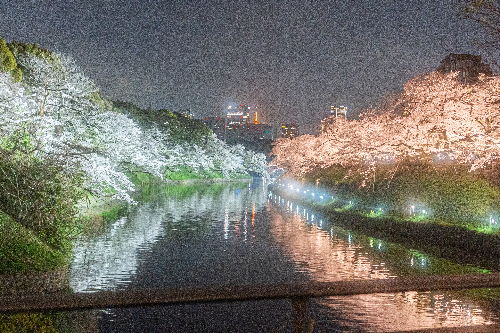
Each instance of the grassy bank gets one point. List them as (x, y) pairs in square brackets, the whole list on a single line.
[(446, 195), (22, 251), (149, 186), (185, 173)]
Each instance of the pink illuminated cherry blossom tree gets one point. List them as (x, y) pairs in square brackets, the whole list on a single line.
[(435, 117)]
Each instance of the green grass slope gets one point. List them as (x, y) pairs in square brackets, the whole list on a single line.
[(22, 251)]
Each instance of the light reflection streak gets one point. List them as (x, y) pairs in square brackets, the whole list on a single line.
[(327, 255), (226, 223), (110, 260), (245, 231), (253, 214)]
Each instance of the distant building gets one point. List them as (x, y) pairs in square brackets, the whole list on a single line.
[(289, 130), (217, 125), (256, 132), (469, 66), (236, 118), (238, 126), (337, 113)]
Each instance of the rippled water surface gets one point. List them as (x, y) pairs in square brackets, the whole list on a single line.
[(239, 234)]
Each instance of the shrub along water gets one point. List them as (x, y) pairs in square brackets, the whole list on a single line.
[(449, 193), (22, 251), (39, 193)]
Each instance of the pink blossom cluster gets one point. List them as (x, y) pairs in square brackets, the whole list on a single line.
[(435, 118)]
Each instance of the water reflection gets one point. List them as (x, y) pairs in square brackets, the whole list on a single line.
[(240, 234), (326, 254), (329, 253), (188, 214), (209, 235), (109, 260)]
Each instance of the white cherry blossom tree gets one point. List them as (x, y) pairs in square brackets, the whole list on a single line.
[(66, 118)]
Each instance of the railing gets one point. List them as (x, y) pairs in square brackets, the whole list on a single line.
[(299, 294)]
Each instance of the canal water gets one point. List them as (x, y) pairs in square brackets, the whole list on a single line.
[(240, 234)]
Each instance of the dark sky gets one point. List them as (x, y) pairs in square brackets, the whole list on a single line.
[(290, 59)]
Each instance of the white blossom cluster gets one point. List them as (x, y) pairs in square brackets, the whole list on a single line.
[(65, 116)]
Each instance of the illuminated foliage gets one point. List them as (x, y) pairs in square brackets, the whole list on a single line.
[(8, 62), (436, 119), (68, 120)]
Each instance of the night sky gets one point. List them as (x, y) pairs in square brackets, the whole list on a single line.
[(291, 59)]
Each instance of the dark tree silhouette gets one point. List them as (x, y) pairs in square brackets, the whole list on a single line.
[(487, 13)]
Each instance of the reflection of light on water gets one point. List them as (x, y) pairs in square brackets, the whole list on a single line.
[(245, 231), (406, 311), (111, 260), (253, 214), (329, 256), (226, 224)]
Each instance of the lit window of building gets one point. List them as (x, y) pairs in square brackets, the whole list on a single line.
[(289, 130)]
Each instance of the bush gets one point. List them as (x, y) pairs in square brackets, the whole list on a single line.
[(39, 193), (449, 193), (21, 251), (459, 197), (7, 60), (26, 322)]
